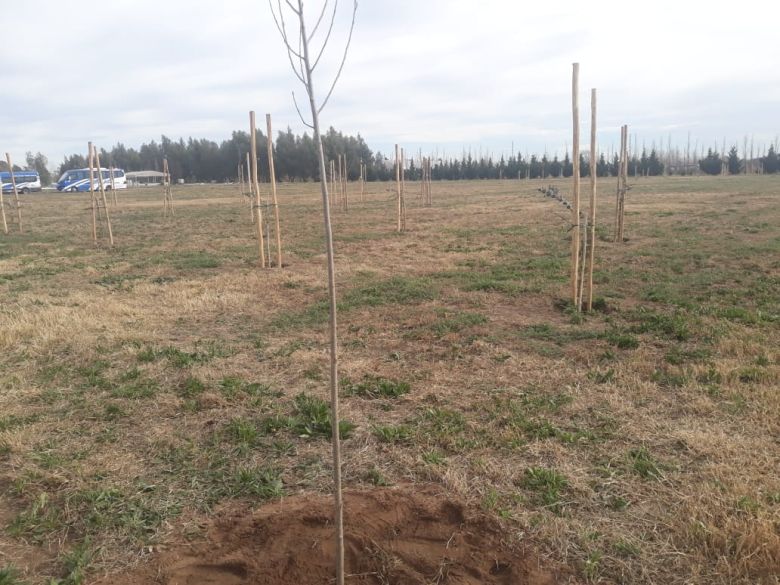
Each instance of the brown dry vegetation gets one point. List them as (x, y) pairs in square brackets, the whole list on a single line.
[(146, 386)]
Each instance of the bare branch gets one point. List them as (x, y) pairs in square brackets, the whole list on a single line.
[(293, 8), (327, 36), (300, 115), (319, 20), (343, 59), (281, 27)]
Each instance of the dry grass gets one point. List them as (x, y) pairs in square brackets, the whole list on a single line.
[(142, 385)]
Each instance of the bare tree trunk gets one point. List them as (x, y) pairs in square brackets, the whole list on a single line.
[(334, 353)]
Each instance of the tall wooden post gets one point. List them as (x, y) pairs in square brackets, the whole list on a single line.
[(16, 191), (256, 188), (398, 185), (103, 196), (362, 181), (272, 178), (250, 188), (113, 187), (345, 179), (92, 192), (403, 190), (575, 234), (2, 207), (593, 178), (335, 198)]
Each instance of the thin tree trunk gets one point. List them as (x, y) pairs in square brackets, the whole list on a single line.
[(272, 178), (334, 373)]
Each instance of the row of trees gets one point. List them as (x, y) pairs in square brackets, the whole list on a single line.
[(35, 162), (201, 160), (715, 164)]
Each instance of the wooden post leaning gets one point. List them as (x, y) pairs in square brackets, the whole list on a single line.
[(256, 188), (16, 191), (575, 235), (103, 197), (272, 178), (593, 178), (92, 192), (113, 186)]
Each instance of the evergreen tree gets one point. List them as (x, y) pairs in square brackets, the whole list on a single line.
[(734, 162), (771, 161), (712, 163)]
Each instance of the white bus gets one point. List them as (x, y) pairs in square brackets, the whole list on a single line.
[(78, 180)]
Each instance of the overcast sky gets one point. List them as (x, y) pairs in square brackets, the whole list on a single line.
[(441, 75)]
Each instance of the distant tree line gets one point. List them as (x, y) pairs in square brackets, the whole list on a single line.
[(35, 162), (202, 160), (715, 164)]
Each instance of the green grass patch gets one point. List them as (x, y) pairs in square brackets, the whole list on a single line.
[(643, 464), (375, 387), (393, 434), (548, 485)]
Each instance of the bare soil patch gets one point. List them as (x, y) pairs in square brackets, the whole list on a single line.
[(409, 534)]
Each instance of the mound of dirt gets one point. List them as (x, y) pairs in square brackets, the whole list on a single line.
[(412, 534)]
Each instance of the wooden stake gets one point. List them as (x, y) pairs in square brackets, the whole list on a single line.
[(362, 181), (593, 176), (2, 206), (167, 193), (346, 183), (16, 192), (272, 178), (575, 235), (403, 190), (92, 193), (113, 187), (256, 188), (103, 197), (250, 190), (398, 185)]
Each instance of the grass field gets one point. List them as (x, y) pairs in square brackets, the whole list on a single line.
[(143, 386)]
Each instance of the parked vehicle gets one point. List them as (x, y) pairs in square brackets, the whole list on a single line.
[(26, 181), (78, 180)]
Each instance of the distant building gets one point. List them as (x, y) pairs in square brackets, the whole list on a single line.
[(144, 178)]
